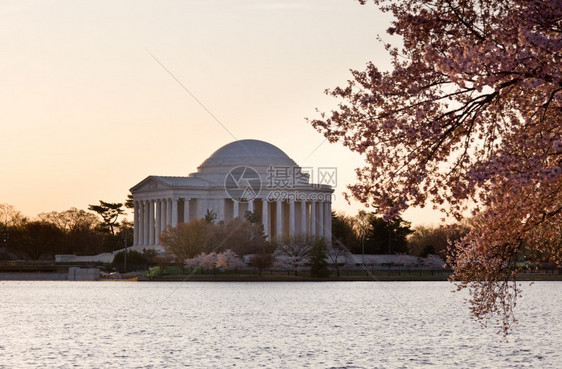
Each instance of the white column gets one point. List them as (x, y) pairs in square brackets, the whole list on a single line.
[(216, 205), (320, 212), (169, 213), (251, 205), (220, 215), (186, 210), (204, 207), (236, 210), (265, 217), (158, 221), (303, 217), (313, 218), (174, 212), (328, 222), (136, 223), (163, 214), (279, 219), (141, 220), (198, 209), (291, 217), (151, 222), (145, 224)]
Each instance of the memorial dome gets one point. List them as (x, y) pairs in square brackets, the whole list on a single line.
[(257, 154)]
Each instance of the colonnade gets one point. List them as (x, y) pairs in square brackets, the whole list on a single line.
[(287, 218), (152, 217), (278, 217)]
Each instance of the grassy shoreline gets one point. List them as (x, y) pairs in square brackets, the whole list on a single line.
[(377, 276)]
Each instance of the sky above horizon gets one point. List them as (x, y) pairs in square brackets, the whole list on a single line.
[(88, 109)]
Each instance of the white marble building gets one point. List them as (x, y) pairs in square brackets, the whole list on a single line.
[(245, 175)]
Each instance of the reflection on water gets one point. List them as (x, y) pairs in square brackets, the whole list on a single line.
[(267, 325)]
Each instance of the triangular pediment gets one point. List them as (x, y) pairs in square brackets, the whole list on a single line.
[(149, 184)]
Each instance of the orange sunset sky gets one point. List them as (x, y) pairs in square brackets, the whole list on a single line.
[(87, 112)]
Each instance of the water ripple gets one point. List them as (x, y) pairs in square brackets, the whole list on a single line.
[(267, 325)]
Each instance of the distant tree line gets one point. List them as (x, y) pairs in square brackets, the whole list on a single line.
[(208, 245), (368, 233), (73, 231), (100, 229)]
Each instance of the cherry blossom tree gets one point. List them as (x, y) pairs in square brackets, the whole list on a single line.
[(468, 119), (433, 262), (338, 254), (229, 260), (203, 260), (191, 263), (293, 251), (208, 261)]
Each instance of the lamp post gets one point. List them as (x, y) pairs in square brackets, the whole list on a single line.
[(363, 229)]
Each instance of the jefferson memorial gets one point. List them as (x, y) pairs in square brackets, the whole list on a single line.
[(242, 176)]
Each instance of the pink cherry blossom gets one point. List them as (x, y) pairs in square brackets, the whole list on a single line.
[(468, 119)]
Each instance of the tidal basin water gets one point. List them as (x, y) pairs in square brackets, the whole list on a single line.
[(268, 325)]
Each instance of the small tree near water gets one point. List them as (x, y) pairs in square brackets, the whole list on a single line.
[(293, 251), (317, 258)]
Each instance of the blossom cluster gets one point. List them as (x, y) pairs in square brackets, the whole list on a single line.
[(468, 119), (226, 260)]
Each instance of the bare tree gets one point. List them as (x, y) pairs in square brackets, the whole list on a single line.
[(338, 253)]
